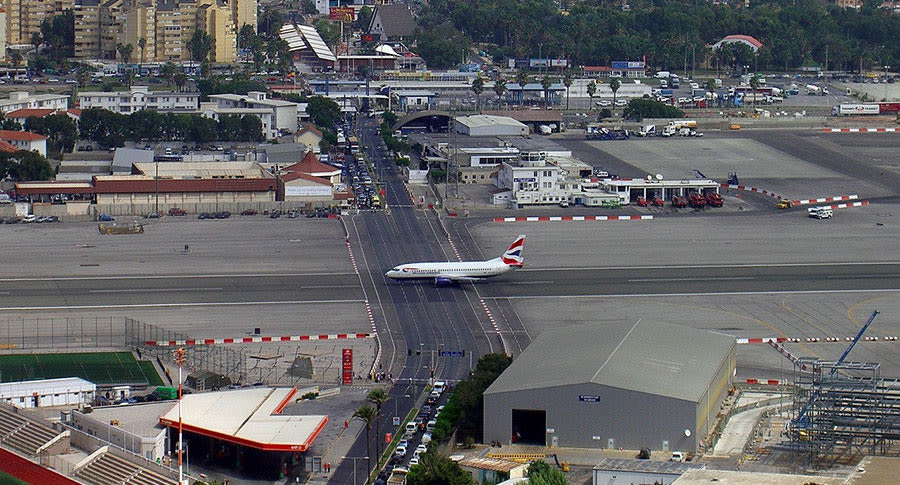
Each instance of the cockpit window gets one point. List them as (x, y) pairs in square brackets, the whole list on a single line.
[(396, 268)]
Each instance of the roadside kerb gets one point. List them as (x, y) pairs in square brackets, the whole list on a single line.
[(257, 340), (861, 130)]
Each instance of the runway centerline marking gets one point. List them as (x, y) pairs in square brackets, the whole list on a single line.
[(722, 278), (153, 290), (657, 295), (708, 266)]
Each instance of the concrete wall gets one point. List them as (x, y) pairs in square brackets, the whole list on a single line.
[(711, 401), (632, 419)]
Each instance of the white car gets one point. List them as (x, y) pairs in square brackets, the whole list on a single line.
[(414, 461), (29, 218), (400, 451), (422, 448), (604, 103), (426, 438), (621, 103)]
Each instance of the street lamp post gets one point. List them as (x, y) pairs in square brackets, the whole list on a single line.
[(156, 180), (355, 459)]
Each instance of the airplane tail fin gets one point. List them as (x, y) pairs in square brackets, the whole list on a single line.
[(513, 255)]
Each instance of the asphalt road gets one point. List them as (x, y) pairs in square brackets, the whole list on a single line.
[(677, 280)]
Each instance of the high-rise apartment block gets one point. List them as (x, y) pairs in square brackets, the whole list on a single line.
[(165, 26)]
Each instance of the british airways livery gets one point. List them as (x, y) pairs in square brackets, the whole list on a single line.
[(449, 272)]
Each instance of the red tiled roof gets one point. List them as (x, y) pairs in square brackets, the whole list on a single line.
[(7, 147), (305, 176), (26, 112), (20, 135), (75, 112), (145, 186), (310, 164), (311, 129)]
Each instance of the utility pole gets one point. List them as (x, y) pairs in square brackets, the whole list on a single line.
[(156, 179), (179, 358)]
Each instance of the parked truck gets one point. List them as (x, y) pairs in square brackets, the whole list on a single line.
[(647, 130), (679, 201), (714, 199), (846, 109), (697, 201)]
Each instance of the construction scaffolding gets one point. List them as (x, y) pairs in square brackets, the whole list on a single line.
[(843, 410)]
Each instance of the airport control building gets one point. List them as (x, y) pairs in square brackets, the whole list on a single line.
[(653, 385)]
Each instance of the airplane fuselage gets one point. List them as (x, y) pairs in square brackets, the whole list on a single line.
[(453, 270)]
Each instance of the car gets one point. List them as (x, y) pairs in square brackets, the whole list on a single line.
[(204, 215), (293, 214), (620, 103), (222, 215), (400, 451), (426, 410), (426, 438), (431, 400), (105, 218), (41, 220), (422, 448), (249, 212), (177, 211), (604, 103), (53, 80), (275, 214), (29, 218), (52, 219), (153, 215), (12, 220), (71, 81), (414, 461)]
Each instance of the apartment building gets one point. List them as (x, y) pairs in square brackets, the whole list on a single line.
[(279, 116), (138, 98), (26, 100), (165, 25), (24, 17)]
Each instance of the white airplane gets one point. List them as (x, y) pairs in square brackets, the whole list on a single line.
[(449, 272)]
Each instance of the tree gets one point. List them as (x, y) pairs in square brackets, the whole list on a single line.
[(541, 473), (368, 415), (469, 394), (8, 124), (199, 45), (500, 90), (180, 80), (142, 44), (247, 38), (23, 165), (614, 85), (441, 45), (522, 80), (124, 52), (269, 22), (592, 90), (60, 129), (58, 34), (478, 88), (378, 397), (16, 58), (546, 82), (711, 85), (640, 108), (568, 79), (754, 84), (168, 71), (329, 30), (363, 18), (308, 7), (324, 112), (434, 469)]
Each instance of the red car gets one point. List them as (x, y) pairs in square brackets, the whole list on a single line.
[(642, 202), (249, 212), (177, 211)]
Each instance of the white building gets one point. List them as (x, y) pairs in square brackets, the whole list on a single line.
[(67, 391), (265, 115), (489, 125), (283, 114), (138, 98), (490, 156), (24, 99), (532, 182), (25, 140)]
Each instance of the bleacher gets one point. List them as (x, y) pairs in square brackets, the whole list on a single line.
[(22, 434), (110, 469)]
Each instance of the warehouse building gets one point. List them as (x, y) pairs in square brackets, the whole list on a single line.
[(654, 385), (488, 125)]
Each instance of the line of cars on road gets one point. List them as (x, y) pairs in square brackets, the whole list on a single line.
[(425, 422), (31, 218)]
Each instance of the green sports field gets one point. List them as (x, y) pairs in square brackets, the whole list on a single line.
[(7, 479), (97, 367)]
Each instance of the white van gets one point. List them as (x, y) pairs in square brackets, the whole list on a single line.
[(677, 456), (821, 212), (429, 426), (439, 386), (411, 427)]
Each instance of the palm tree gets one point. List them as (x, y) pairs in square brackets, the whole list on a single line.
[(754, 83), (546, 83), (377, 397), (614, 84), (592, 90), (368, 415), (125, 51), (142, 44), (568, 78), (522, 80), (180, 80), (500, 90), (169, 70), (478, 88)]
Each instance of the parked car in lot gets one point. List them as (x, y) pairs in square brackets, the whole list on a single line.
[(29, 218), (249, 212), (275, 214), (204, 215), (293, 214), (153, 215), (221, 215), (177, 211), (105, 218)]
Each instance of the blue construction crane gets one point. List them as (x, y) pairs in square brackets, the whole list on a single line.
[(801, 416)]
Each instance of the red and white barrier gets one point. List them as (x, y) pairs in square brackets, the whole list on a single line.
[(572, 218), (811, 340), (766, 382), (852, 204), (861, 130), (256, 340), (824, 199), (750, 189)]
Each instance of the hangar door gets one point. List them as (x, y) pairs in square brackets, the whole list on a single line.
[(529, 427)]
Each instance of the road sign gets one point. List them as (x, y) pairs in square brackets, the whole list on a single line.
[(453, 353), (396, 420)]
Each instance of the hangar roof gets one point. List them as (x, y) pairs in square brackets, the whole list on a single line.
[(649, 357), (474, 121)]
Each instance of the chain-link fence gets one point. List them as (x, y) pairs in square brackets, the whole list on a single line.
[(62, 333)]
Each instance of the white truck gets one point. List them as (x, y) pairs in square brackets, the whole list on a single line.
[(647, 130), (668, 131), (822, 212), (813, 89), (855, 109)]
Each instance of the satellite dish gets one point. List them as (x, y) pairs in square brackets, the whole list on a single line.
[(687, 433), (650, 177), (659, 176)]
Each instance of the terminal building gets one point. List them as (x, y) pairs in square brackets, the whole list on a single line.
[(653, 385)]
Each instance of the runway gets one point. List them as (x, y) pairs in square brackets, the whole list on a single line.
[(675, 280)]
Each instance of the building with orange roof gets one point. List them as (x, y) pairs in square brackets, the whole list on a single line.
[(313, 181), (7, 147), (24, 140), (311, 165)]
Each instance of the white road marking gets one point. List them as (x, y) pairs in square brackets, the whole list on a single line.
[(530, 282), (170, 305), (167, 277), (328, 286), (722, 278), (657, 295), (153, 290)]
